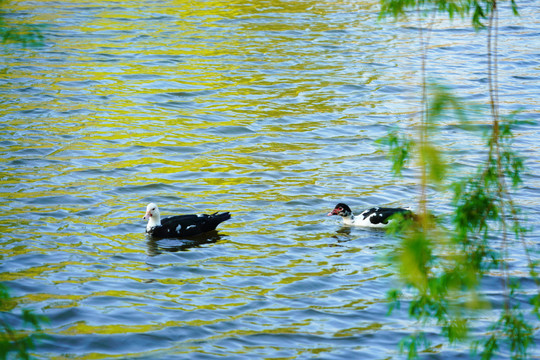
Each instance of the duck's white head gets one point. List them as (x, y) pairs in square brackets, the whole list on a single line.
[(152, 215)]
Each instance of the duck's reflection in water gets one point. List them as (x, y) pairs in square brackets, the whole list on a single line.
[(158, 246)]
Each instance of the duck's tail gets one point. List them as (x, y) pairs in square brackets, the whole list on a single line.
[(217, 218)]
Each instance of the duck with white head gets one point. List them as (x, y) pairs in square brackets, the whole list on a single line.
[(180, 225)]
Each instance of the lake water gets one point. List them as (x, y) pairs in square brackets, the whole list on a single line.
[(267, 109)]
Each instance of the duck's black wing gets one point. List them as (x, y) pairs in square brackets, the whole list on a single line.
[(382, 215), (188, 225)]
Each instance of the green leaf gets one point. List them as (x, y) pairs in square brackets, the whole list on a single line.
[(399, 150), (433, 158)]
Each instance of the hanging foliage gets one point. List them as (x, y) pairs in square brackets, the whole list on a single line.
[(442, 265)]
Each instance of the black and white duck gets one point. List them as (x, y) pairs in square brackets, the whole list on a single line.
[(179, 226), (377, 217)]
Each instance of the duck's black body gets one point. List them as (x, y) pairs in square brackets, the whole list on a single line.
[(181, 225), (381, 215), (187, 225)]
